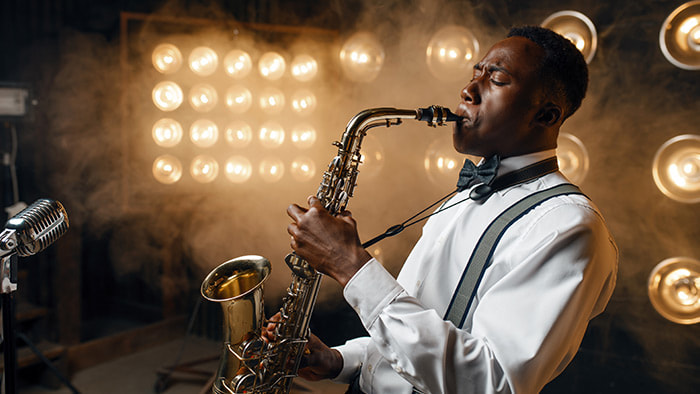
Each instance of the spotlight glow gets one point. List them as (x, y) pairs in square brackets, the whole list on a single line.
[(271, 170), (674, 289), (237, 64), (303, 102), (303, 169), (442, 163), (572, 157), (204, 169), (303, 136), (167, 169), (304, 68), (166, 58), (271, 134), (238, 99), (371, 156), (362, 57), (238, 134), (167, 132), (203, 97), (451, 52), (238, 169), (578, 28), (271, 66), (167, 96), (676, 168), (271, 100), (203, 61), (204, 133)]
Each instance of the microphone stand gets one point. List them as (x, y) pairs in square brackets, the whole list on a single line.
[(9, 337)]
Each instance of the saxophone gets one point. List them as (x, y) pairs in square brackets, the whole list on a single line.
[(248, 363)]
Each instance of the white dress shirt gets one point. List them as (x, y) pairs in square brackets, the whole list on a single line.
[(553, 270)]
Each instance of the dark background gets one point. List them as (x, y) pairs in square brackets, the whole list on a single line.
[(137, 256)]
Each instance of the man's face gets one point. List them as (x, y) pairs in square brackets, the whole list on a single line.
[(500, 103)]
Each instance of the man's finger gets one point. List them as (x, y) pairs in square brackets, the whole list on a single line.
[(295, 212)]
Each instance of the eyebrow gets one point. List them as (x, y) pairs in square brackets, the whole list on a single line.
[(492, 68)]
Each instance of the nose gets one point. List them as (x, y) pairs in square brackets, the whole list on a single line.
[(470, 93)]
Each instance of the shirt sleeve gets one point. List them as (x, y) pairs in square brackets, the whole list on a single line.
[(353, 352), (526, 326)]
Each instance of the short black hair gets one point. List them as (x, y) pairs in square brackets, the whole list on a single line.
[(563, 67)]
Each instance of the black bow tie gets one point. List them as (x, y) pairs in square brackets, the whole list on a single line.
[(471, 175)]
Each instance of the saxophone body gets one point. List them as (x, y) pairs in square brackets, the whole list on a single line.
[(248, 363)]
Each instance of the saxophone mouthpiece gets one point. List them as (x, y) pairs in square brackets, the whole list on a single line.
[(436, 115)]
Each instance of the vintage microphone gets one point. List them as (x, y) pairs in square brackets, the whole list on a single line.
[(27, 233)]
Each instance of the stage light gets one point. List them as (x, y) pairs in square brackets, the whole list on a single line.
[(203, 61), (167, 169), (166, 58), (577, 28), (271, 100), (676, 168), (572, 157), (371, 156), (304, 68), (271, 170), (674, 289), (203, 97), (204, 133), (237, 64), (167, 96), (303, 102), (14, 101), (362, 57), (679, 37), (451, 53), (442, 163), (303, 169), (271, 66), (238, 169), (271, 134), (204, 169), (238, 134), (167, 132), (238, 99), (303, 136)]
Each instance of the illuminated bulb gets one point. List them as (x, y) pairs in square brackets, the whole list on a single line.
[(442, 163), (371, 156), (271, 100), (362, 57), (238, 99), (204, 169), (674, 289), (237, 64), (303, 136), (676, 168), (203, 97), (303, 169), (304, 68), (572, 157), (203, 61), (167, 169), (271, 134), (166, 58), (204, 133), (303, 102), (576, 27), (167, 96), (271, 170), (451, 52), (167, 132), (238, 134), (238, 169), (577, 39), (271, 66)]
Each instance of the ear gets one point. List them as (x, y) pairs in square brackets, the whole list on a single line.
[(549, 114)]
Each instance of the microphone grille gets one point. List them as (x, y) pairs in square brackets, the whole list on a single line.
[(45, 221)]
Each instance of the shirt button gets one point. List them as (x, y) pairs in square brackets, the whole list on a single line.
[(369, 367), (398, 369)]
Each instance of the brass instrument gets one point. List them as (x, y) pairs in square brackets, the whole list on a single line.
[(248, 363)]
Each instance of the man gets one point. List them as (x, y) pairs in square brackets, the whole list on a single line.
[(552, 271)]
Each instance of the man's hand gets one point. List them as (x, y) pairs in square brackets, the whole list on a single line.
[(330, 244), (318, 361)]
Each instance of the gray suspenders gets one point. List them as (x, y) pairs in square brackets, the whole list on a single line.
[(466, 289)]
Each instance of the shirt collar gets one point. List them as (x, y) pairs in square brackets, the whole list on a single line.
[(510, 164)]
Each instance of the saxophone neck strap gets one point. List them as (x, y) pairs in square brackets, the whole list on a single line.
[(479, 193)]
